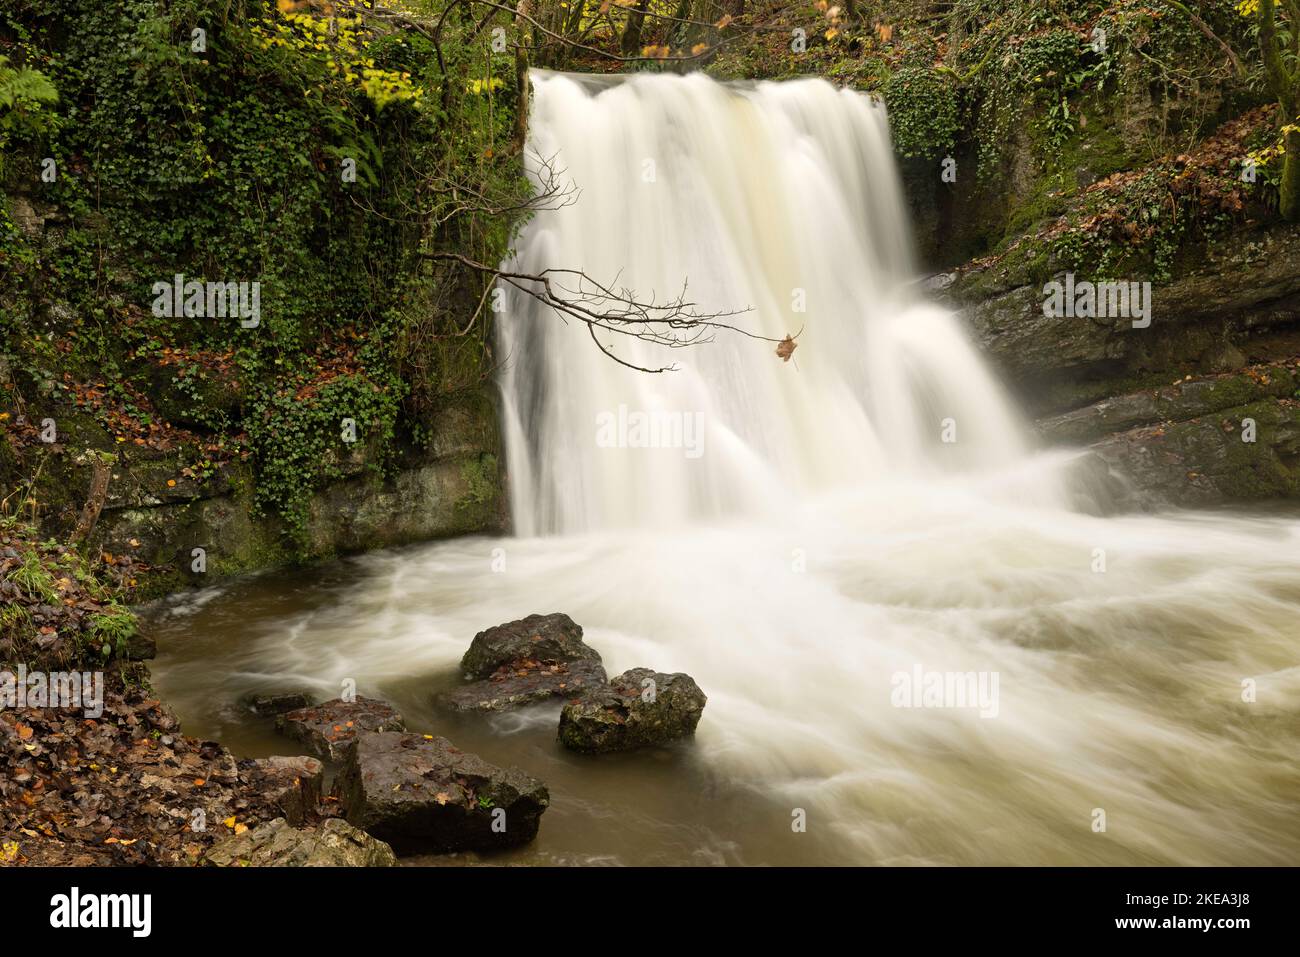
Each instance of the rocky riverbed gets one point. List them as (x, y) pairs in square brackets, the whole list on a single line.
[(129, 787)]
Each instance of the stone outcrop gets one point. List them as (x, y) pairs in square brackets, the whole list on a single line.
[(1202, 441), (159, 516), (1240, 290)]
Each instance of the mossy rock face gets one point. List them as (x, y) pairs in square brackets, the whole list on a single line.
[(1247, 284), (1246, 453), (450, 487), (1176, 403)]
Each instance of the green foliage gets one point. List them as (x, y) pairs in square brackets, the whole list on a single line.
[(923, 112), (232, 164), (303, 436), (34, 578), (25, 96), (110, 631)]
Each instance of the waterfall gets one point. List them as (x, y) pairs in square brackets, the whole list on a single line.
[(814, 553), (780, 199)]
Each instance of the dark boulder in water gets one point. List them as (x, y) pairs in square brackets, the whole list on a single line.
[(326, 729), (273, 704), (421, 794), (547, 639), (522, 682), (524, 662), (638, 708)]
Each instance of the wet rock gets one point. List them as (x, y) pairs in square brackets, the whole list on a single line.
[(327, 729), (524, 682), (273, 704), (1208, 460), (1179, 402), (1221, 357), (546, 639), (292, 783), (420, 793), (277, 844), (638, 708), (1249, 282)]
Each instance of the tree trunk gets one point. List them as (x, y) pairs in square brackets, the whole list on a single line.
[(1284, 81), (632, 32), (103, 471), (1289, 206), (522, 85)]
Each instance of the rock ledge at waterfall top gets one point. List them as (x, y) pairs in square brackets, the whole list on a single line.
[(523, 662), (636, 709), (421, 794)]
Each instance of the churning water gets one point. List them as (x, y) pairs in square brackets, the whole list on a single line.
[(805, 538)]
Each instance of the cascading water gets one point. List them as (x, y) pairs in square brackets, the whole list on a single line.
[(823, 541), (781, 199)]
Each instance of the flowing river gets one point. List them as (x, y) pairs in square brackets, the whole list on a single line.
[(809, 539)]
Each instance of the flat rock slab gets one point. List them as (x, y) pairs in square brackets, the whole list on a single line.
[(292, 783), (327, 729), (421, 794), (638, 708), (277, 844), (546, 639), (524, 682)]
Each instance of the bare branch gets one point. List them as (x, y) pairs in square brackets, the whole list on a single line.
[(673, 324)]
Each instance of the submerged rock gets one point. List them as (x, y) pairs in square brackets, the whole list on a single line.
[(273, 704), (524, 682), (328, 728), (420, 793), (292, 783), (277, 844), (546, 639), (638, 708)]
